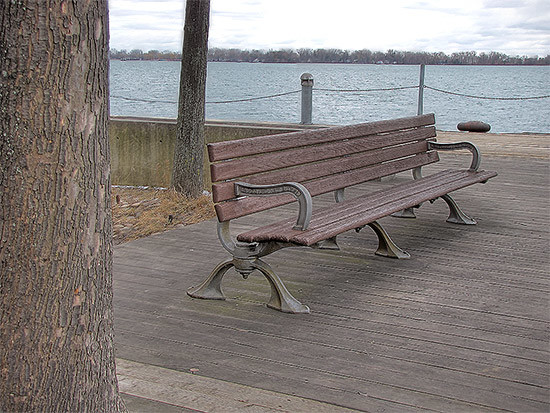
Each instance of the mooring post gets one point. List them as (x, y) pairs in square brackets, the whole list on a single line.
[(421, 90), (307, 98)]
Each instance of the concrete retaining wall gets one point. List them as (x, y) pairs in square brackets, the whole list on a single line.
[(142, 149)]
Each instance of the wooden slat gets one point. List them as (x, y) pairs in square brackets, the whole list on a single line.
[(374, 208), (225, 190), (283, 159), (342, 210), (357, 176), (363, 210), (247, 206), (334, 212), (238, 208), (380, 211), (262, 144)]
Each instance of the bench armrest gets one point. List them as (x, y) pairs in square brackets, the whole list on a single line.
[(476, 156), (299, 191)]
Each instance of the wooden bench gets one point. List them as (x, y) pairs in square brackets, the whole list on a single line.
[(260, 173)]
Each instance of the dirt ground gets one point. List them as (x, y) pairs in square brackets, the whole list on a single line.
[(139, 212)]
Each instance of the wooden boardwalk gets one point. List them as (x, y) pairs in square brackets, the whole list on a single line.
[(461, 326)]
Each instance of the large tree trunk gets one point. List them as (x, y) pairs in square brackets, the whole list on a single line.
[(56, 322), (187, 175)]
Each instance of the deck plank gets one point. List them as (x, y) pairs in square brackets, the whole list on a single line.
[(464, 325)]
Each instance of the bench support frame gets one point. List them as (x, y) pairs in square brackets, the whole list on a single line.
[(321, 162), (246, 259), (386, 246), (280, 299), (456, 216)]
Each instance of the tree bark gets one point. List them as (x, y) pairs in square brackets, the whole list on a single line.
[(56, 322), (187, 175)]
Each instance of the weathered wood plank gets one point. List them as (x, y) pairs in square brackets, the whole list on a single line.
[(461, 326), (377, 208), (307, 154), (261, 144), (380, 367), (347, 209), (225, 190), (410, 335), (246, 206), (353, 214)]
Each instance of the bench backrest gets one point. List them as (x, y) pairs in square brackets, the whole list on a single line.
[(323, 160)]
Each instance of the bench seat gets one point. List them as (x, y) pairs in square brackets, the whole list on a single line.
[(358, 212)]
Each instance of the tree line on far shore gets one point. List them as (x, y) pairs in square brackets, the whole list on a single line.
[(340, 56)]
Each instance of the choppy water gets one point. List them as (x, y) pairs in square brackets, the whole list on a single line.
[(157, 83)]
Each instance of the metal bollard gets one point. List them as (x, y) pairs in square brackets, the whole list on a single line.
[(307, 98), (421, 90)]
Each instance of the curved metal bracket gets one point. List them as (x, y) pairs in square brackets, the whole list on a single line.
[(225, 238), (328, 244), (299, 191), (406, 213), (476, 155), (281, 299), (386, 246), (456, 216), (211, 288), (246, 250)]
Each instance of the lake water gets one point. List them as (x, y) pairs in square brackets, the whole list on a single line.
[(150, 89)]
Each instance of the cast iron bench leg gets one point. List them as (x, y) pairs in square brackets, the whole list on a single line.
[(328, 244), (386, 246), (456, 216), (281, 299), (211, 288), (406, 213)]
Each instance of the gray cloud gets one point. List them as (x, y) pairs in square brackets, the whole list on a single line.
[(503, 4), (508, 26)]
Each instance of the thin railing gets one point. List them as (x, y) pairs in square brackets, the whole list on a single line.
[(308, 88)]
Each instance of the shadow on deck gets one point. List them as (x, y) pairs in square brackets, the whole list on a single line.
[(461, 326)]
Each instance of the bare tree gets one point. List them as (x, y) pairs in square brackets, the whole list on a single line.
[(187, 175), (56, 322)]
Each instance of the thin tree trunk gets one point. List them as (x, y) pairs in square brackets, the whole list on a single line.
[(56, 322), (187, 175)]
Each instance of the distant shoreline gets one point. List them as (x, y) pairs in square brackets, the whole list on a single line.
[(390, 57), (342, 63)]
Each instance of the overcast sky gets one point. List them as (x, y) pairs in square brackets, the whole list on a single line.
[(514, 27)]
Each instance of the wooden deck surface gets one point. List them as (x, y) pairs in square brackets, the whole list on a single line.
[(461, 326)]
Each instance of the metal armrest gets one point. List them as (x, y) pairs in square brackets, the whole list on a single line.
[(476, 155), (299, 191)]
